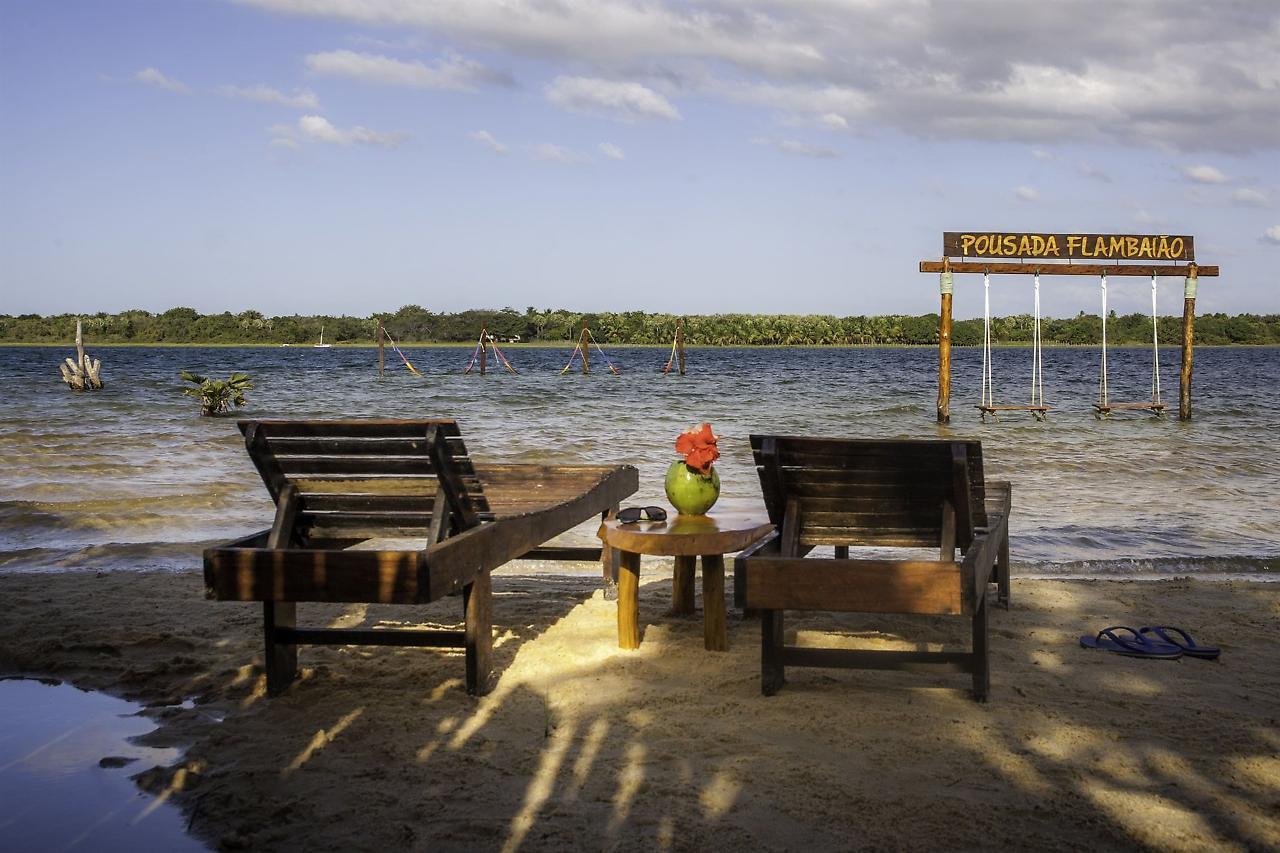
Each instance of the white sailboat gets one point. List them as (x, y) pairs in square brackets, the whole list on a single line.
[(322, 344)]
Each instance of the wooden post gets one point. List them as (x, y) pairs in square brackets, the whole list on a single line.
[(382, 355), (680, 344), (1188, 343), (584, 344), (484, 350), (944, 345)]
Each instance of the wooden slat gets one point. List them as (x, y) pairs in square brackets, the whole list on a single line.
[(1112, 269), (923, 537), (351, 428), (265, 574), (863, 586), (360, 502), (386, 466), (349, 446), (888, 659), (418, 637)]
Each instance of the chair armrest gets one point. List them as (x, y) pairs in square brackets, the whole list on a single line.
[(980, 557), (769, 546)]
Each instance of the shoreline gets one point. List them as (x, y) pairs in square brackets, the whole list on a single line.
[(584, 746), (570, 344)]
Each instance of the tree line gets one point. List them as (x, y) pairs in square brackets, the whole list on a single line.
[(414, 324)]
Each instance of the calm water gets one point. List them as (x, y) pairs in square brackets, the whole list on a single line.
[(132, 477), (56, 791)]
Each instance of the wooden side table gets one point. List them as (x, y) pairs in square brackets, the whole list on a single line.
[(685, 537)]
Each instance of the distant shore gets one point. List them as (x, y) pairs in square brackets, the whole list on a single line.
[(582, 745), (570, 344)]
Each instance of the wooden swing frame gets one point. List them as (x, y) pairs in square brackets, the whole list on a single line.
[(1190, 271)]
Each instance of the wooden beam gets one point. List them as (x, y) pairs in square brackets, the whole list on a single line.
[(944, 360), (1007, 268), (1188, 356)]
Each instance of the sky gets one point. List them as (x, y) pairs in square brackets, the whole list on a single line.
[(707, 156)]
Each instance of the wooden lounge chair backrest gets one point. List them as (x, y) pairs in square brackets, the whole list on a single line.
[(891, 492), (364, 478)]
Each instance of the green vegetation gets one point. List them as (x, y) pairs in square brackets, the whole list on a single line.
[(217, 396), (414, 324)]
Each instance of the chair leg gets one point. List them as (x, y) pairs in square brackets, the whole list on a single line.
[(842, 552), (280, 659), (477, 602), (981, 645), (1002, 573), (772, 671), (609, 562)]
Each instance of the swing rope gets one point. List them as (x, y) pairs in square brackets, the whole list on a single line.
[(670, 359), (988, 388), (1037, 363), (403, 358), (1102, 378), (503, 359), (572, 355), (475, 354), (612, 369), (1155, 346)]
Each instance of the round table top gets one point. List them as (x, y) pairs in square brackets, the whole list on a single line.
[(688, 535)]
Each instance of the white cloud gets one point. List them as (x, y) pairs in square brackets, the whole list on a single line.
[(833, 121), (616, 99), (1250, 197), (486, 139), (1184, 75), (1089, 170), (1143, 217), (320, 129), (797, 148), (303, 99), (453, 73), (1041, 154), (612, 151), (286, 142), (1025, 193), (558, 154), (153, 77), (1272, 235), (1204, 174)]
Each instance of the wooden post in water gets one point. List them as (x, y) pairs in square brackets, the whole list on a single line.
[(680, 344), (1188, 342), (945, 287), (584, 342), (382, 355), (484, 350)]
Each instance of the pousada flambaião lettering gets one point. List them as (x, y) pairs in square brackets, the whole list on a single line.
[(1117, 247)]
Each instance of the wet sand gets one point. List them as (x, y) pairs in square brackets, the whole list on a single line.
[(584, 746)]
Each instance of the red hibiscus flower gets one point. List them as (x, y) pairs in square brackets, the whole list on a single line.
[(698, 445)]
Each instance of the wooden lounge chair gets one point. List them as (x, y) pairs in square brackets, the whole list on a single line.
[(345, 489), (845, 492)]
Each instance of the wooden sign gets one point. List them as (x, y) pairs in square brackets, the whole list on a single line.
[(1110, 247)]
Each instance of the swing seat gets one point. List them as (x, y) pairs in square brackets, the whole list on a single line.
[(1104, 409), (1039, 412)]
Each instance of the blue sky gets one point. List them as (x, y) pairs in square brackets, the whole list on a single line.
[(342, 156)]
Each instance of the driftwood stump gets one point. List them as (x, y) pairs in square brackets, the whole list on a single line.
[(82, 373)]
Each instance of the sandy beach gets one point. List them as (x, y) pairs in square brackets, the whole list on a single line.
[(584, 746)]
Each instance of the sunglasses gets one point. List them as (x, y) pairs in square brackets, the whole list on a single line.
[(632, 514)]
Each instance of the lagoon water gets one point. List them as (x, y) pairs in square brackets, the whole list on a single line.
[(132, 478)]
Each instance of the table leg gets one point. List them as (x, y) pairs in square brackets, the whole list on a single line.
[(629, 601), (682, 586), (714, 634)]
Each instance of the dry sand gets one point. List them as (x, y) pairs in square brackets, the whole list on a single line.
[(584, 746)]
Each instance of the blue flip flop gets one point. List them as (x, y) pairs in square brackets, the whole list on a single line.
[(1136, 646), (1183, 641)]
